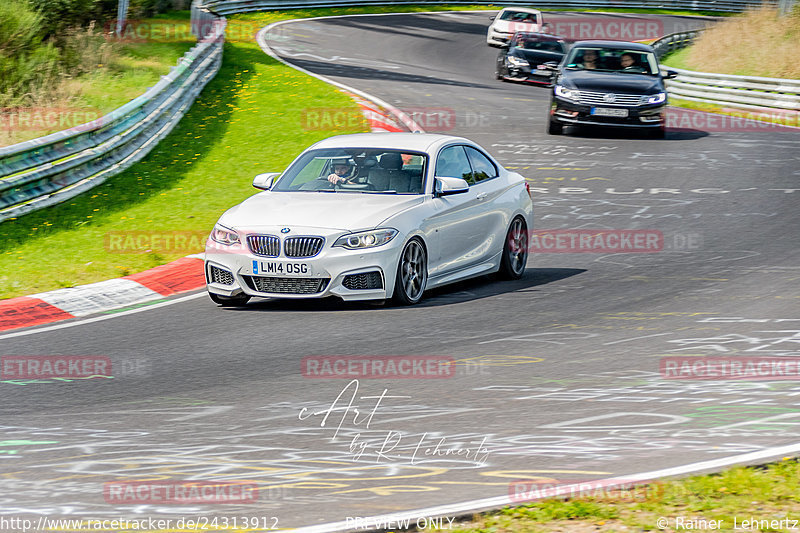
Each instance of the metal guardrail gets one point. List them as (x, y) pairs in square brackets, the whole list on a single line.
[(746, 92), (51, 169), (227, 7)]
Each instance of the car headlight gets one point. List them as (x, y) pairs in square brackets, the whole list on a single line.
[(653, 98), (366, 239), (569, 94), (224, 235), (517, 62)]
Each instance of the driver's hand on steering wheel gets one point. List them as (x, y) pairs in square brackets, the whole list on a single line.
[(335, 178)]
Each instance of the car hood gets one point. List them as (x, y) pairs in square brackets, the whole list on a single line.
[(325, 210), (511, 26), (535, 57), (611, 82)]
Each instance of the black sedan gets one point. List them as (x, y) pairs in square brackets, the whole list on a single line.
[(609, 83), (524, 57)]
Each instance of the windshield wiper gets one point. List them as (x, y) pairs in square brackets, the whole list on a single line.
[(392, 191)]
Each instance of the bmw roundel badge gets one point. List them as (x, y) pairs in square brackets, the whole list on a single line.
[(285, 230)]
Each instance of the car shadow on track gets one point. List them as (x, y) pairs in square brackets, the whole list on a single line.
[(461, 292), (594, 132)]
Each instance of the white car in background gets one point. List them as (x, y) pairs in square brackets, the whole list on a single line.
[(372, 216), (510, 20)]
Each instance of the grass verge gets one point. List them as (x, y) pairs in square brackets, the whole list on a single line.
[(246, 121), (116, 72), (770, 492), (756, 43)]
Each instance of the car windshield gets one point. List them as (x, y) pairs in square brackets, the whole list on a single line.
[(535, 43), (613, 60), (356, 170), (518, 16)]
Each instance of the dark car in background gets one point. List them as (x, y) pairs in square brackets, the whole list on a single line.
[(609, 83), (523, 58)]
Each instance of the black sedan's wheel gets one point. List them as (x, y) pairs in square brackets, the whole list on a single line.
[(554, 128), (412, 273), (657, 133), (229, 301), (515, 251)]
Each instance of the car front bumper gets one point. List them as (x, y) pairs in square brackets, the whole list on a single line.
[(529, 74), (570, 112), (335, 271)]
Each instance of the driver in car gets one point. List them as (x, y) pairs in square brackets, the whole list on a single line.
[(343, 172)]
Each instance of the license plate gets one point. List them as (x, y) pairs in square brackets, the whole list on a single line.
[(609, 112), (274, 268)]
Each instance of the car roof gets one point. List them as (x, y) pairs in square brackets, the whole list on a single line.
[(616, 45), (419, 142), (521, 9)]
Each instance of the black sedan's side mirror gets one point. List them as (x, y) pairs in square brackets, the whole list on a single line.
[(551, 65), (670, 75)]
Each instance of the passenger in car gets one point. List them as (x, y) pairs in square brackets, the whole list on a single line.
[(589, 60)]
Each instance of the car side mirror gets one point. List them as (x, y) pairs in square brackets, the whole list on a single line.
[(445, 186), (504, 46), (551, 65), (265, 181), (493, 17), (669, 75)]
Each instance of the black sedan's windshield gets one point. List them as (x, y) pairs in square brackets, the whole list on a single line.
[(612, 60), (367, 170)]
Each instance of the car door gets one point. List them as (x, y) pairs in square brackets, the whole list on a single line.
[(457, 217), (491, 214)]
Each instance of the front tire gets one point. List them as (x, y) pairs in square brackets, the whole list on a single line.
[(554, 128), (229, 301), (412, 273), (515, 251)]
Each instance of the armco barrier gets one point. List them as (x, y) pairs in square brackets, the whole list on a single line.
[(747, 92), (51, 169), (227, 7)]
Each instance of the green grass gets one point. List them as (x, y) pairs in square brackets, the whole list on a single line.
[(246, 121), (677, 59), (131, 67), (763, 493)]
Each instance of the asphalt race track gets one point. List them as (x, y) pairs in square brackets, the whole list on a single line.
[(557, 375)]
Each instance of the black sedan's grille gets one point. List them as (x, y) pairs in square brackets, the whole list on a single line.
[(219, 275), (302, 246), (264, 245), (286, 285), (361, 282), (596, 98)]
